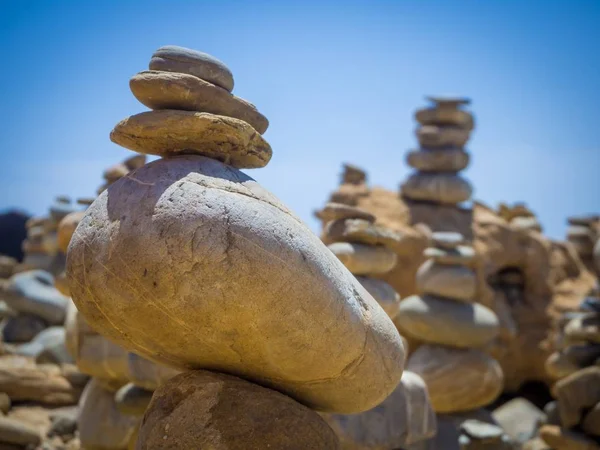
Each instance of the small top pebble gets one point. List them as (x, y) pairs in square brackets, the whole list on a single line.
[(172, 58), (334, 211), (448, 100)]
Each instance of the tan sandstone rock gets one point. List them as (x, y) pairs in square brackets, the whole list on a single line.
[(167, 90), (434, 136), (452, 281), (438, 159), (364, 259), (335, 211), (385, 294), (203, 409), (169, 132), (222, 236), (440, 188), (66, 228), (457, 379)]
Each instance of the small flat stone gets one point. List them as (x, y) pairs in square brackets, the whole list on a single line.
[(449, 100), (446, 114), (482, 431), (580, 232), (441, 136), (576, 393), (169, 132), (585, 328), (562, 439), (172, 58), (442, 321), (383, 293), (353, 174), (16, 432), (526, 223), (363, 259), (438, 159), (165, 90), (450, 281), (444, 188), (519, 418), (447, 239), (334, 211), (462, 255), (360, 231), (591, 421), (86, 201), (457, 379), (584, 221), (132, 400)]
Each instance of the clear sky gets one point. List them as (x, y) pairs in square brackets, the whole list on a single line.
[(338, 80)]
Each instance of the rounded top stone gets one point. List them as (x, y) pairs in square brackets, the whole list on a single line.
[(172, 58), (448, 100), (447, 239)]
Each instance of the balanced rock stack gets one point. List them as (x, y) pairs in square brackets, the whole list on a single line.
[(443, 131), (252, 302), (519, 216), (583, 233), (113, 173), (364, 260), (454, 329), (574, 418)]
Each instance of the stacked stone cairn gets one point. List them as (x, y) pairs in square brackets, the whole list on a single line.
[(454, 331), (583, 233), (573, 419), (405, 417), (443, 131), (190, 263), (519, 216)]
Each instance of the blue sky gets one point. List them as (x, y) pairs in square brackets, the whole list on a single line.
[(339, 81)]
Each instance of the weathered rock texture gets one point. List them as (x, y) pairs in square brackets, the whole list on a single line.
[(202, 409)]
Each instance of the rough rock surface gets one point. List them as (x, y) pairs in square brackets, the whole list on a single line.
[(230, 238), (202, 409), (457, 379), (170, 132), (165, 90)]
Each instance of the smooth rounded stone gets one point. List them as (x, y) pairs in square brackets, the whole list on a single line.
[(476, 434), (434, 136), (364, 259), (165, 90), (101, 425), (438, 159), (571, 359), (360, 231), (591, 421), (443, 321), (450, 281), (21, 328), (225, 237), (384, 293), (66, 228), (403, 419), (147, 374), (462, 255), (563, 439), (334, 211), (101, 358), (519, 418), (23, 380), (201, 409), (169, 132), (445, 115), (576, 393), (33, 292), (438, 188), (172, 58), (16, 432), (45, 339), (457, 379), (5, 403), (585, 328), (132, 400), (113, 173)]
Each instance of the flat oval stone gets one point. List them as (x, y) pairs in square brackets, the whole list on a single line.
[(449, 100), (360, 231), (445, 115), (233, 251), (457, 379), (364, 259), (169, 132), (334, 211), (172, 58), (165, 90), (526, 223), (447, 322), (207, 410), (462, 255), (450, 281), (384, 293), (438, 159), (442, 188), (440, 136)]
